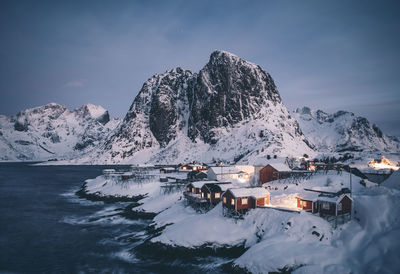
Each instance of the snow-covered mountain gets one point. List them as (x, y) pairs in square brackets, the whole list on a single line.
[(230, 110), (343, 132), (53, 132)]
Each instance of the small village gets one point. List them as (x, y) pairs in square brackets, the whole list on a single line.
[(273, 183), (241, 188)]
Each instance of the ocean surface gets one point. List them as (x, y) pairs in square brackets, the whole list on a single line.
[(46, 228)]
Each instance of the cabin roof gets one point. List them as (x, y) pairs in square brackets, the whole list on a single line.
[(256, 192), (168, 168), (218, 187), (198, 184), (333, 199), (280, 167), (309, 196)]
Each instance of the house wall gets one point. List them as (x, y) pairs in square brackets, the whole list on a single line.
[(346, 205), (304, 204), (204, 192), (197, 190), (250, 203), (228, 195), (330, 211), (263, 201), (215, 200), (267, 174)]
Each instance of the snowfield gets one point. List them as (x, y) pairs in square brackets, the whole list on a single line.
[(299, 241)]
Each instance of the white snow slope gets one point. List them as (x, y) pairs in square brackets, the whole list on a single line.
[(53, 131)]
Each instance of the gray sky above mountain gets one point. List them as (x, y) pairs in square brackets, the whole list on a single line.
[(330, 55)]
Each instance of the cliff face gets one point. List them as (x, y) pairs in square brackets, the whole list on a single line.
[(231, 109)]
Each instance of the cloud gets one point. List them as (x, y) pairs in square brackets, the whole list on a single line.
[(76, 83)]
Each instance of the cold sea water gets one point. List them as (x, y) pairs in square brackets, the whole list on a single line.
[(46, 228)]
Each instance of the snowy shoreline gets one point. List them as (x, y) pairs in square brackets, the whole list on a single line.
[(367, 243)]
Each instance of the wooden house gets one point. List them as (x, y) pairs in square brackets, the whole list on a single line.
[(274, 171), (334, 205), (212, 191), (193, 191), (242, 199)]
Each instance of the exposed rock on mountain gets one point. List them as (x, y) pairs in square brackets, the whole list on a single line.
[(230, 110)]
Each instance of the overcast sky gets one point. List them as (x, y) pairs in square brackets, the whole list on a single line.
[(330, 55)]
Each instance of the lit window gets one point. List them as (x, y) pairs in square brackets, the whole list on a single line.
[(202, 195), (224, 200), (339, 207), (244, 201), (188, 189), (217, 195), (193, 190), (233, 202), (208, 195)]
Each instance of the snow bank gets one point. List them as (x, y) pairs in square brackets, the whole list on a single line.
[(393, 181), (369, 245)]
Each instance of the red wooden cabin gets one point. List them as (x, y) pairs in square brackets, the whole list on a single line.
[(212, 192), (273, 172), (335, 206), (240, 199)]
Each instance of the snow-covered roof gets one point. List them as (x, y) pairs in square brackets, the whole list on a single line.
[(168, 168), (308, 195), (225, 170), (334, 199), (280, 167), (215, 187), (200, 184), (256, 192)]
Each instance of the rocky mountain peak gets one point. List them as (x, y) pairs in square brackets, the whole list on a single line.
[(228, 90), (178, 109), (90, 111)]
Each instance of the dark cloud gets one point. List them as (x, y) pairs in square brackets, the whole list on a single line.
[(326, 54)]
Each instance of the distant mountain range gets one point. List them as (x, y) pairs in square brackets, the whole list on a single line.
[(343, 132), (230, 110), (53, 132)]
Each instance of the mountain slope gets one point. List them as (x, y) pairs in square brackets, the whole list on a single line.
[(52, 131), (343, 132), (230, 110)]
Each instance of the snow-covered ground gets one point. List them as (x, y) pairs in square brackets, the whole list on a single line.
[(275, 239), (158, 196)]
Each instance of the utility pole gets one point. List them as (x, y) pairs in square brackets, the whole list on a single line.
[(351, 185)]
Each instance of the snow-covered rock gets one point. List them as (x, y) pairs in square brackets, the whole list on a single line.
[(53, 131), (343, 132), (230, 110)]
